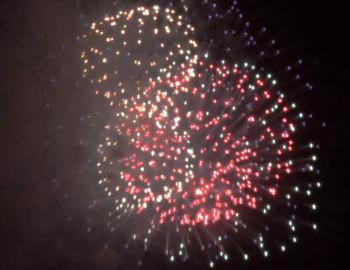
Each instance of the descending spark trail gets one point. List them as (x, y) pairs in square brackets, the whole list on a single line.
[(194, 144)]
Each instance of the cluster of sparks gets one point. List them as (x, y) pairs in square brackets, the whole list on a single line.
[(193, 142), (129, 48)]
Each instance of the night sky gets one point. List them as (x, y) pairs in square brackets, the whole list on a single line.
[(48, 138)]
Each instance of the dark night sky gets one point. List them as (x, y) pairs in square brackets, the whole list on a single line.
[(44, 140)]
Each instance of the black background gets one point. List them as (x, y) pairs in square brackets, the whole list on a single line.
[(43, 149)]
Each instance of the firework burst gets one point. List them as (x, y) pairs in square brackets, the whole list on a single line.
[(205, 153), (125, 50)]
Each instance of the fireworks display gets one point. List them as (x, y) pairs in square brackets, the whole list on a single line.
[(196, 146)]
